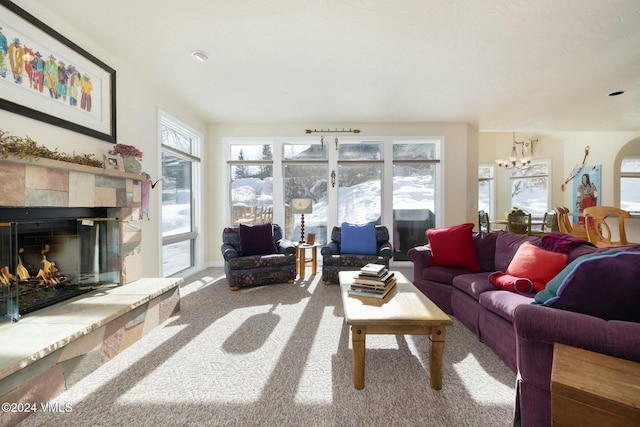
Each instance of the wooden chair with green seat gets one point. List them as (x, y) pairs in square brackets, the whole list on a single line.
[(519, 223), (483, 221), (549, 224)]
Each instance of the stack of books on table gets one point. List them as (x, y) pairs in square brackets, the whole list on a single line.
[(373, 280)]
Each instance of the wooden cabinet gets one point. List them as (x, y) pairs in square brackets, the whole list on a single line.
[(592, 389)]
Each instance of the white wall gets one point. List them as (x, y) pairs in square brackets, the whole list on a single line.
[(566, 151), (459, 157), (137, 107)]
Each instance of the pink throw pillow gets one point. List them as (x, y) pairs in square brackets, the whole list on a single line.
[(453, 247), (536, 264)]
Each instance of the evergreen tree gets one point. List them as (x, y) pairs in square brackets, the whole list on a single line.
[(240, 170), (267, 154)]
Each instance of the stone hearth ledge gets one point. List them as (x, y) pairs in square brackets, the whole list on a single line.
[(45, 331)]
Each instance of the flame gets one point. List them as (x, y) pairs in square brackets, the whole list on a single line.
[(21, 271), (48, 268), (5, 276)]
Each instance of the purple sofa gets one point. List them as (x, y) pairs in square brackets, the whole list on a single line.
[(522, 334)]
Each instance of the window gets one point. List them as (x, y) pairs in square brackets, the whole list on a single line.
[(180, 151), (388, 180), (486, 189), (530, 188), (305, 172), (630, 184), (360, 183), (251, 183), (415, 172)]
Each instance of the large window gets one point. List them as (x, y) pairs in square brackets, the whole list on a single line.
[(530, 188), (180, 152), (388, 180), (630, 184)]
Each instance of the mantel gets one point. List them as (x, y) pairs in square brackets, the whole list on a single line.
[(68, 166)]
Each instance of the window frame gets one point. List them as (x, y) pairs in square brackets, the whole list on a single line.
[(512, 178), (628, 174), (195, 157)]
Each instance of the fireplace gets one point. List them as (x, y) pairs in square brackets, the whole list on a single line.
[(48, 255)]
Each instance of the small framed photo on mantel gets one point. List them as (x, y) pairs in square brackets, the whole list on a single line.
[(113, 163)]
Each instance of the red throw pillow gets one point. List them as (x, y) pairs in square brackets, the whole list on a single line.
[(453, 247), (536, 264)]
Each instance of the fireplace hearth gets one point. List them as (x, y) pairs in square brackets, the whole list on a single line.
[(48, 255)]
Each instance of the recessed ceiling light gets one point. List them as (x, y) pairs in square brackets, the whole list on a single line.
[(620, 92), (199, 55)]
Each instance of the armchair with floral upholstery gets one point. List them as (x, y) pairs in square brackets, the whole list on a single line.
[(257, 255), (343, 253)]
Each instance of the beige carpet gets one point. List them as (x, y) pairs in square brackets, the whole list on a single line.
[(280, 356)]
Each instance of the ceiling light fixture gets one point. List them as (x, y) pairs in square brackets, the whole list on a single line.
[(526, 154), (199, 55)]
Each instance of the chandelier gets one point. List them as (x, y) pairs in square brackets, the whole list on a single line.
[(518, 160)]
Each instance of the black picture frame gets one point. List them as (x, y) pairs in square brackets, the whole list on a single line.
[(28, 93)]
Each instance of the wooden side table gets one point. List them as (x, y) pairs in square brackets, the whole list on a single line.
[(302, 260), (593, 390)]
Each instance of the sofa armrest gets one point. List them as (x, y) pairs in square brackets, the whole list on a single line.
[(330, 248), (229, 252), (385, 250), (285, 247), (538, 328), (420, 256)]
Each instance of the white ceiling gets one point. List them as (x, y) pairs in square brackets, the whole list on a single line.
[(502, 65)]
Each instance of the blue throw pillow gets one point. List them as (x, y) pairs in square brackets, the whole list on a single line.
[(358, 239)]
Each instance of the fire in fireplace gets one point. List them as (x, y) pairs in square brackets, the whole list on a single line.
[(48, 255)]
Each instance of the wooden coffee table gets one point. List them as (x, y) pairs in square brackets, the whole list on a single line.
[(405, 310)]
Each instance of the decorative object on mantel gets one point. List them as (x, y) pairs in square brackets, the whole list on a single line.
[(113, 163), (147, 186), (526, 154), (131, 157), (25, 147)]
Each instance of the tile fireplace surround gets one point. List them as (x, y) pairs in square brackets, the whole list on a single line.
[(49, 350)]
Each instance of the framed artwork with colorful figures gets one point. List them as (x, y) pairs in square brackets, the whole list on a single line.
[(586, 189), (47, 77)]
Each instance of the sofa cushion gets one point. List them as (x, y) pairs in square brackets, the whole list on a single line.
[(507, 244), (257, 239), (442, 274), (536, 264), (358, 238), (261, 262), (453, 247), (504, 303), (485, 249), (473, 284), (603, 284)]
